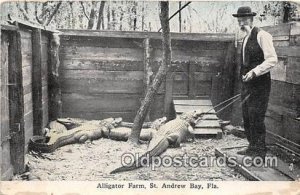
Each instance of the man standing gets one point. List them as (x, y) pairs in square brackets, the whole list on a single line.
[(258, 57)]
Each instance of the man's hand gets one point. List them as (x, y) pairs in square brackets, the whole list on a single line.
[(250, 75)]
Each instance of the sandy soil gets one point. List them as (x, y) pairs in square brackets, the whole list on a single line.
[(93, 162)]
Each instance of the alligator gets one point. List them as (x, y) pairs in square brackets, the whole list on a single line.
[(91, 130), (56, 127), (71, 123), (81, 130), (171, 133), (122, 131), (76, 122)]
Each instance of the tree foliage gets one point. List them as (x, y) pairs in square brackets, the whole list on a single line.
[(281, 9), (144, 15)]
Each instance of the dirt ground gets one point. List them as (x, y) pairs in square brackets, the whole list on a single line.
[(93, 162)]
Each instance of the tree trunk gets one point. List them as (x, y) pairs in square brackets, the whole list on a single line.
[(83, 10), (121, 19), (36, 14), (113, 16), (286, 11), (160, 76), (45, 10), (92, 15), (178, 11), (24, 13), (100, 16), (134, 15), (147, 70), (129, 12), (53, 13), (143, 15), (26, 6), (72, 15), (179, 16), (108, 16)]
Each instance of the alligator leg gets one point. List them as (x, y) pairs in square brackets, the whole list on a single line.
[(174, 140), (83, 139)]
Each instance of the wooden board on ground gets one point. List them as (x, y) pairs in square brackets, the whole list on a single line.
[(210, 116), (215, 132), (208, 124), (258, 173), (193, 102), (288, 161), (199, 109)]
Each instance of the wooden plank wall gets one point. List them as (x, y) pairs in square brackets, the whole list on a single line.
[(27, 82), (102, 73), (26, 41), (6, 166), (203, 57), (285, 93), (195, 64), (16, 102), (7, 56), (101, 77), (284, 102)]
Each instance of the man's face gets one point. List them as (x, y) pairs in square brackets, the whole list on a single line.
[(245, 23)]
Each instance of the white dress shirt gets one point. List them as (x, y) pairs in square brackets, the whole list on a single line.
[(265, 41)]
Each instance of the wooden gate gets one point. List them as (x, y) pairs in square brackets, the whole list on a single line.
[(12, 100), (189, 84), (6, 166)]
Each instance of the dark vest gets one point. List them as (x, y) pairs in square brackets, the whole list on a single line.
[(253, 56)]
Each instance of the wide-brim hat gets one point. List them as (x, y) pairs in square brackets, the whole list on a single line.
[(244, 11)]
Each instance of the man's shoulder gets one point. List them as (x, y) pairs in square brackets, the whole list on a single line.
[(257, 30), (262, 32)]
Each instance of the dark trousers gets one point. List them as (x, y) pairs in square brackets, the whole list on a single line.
[(254, 109)]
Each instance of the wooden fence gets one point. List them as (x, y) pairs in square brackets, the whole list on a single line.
[(284, 102), (24, 91), (103, 74)]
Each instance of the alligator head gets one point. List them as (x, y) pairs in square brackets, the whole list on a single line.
[(190, 117), (71, 123)]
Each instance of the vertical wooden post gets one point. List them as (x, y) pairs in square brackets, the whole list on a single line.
[(229, 68), (37, 81), (16, 103), (55, 105), (227, 79), (191, 79), (236, 114)]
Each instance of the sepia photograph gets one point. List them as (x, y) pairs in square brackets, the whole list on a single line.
[(148, 96)]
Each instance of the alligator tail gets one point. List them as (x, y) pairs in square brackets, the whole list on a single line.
[(124, 168), (156, 151), (38, 144)]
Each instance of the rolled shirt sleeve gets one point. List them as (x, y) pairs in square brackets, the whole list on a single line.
[(265, 41)]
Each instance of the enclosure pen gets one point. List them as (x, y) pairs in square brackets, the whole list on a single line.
[(90, 75)]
